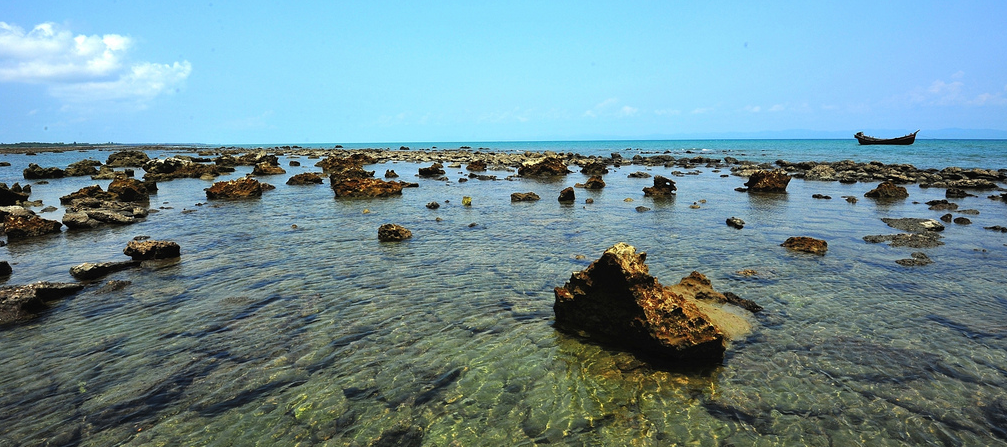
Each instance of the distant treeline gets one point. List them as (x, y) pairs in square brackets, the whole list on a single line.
[(48, 145)]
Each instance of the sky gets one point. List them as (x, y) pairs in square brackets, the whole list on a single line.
[(250, 72)]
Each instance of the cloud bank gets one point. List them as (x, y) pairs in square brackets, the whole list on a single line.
[(84, 70)]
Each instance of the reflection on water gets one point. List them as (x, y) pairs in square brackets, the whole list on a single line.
[(319, 334)]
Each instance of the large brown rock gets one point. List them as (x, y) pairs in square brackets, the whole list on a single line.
[(82, 168), (435, 170), (9, 197), (887, 191), (545, 167), (265, 168), (34, 171), (129, 190), (351, 166), (18, 303), (144, 250), (768, 181), (127, 158), (174, 167), (616, 301), (21, 227), (524, 197), (567, 195), (663, 187), (241, 188), (595, 182), (364, 187), (806, 244), (393, 233), (305, 178)]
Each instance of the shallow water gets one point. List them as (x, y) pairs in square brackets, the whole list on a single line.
[(265, 333)]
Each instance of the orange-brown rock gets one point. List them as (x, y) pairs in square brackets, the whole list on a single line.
[(806, 244), (305, 178), (567, 195), (768, 181), (266, 168), (663, 187), (595, 182), (887, 190), (393, 233), (174, 167), (129, 190), (21, 227), (616, 301), (476, 166), (364, 187), (241, 188), (544, 167)]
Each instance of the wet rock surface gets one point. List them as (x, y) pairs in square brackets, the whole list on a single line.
[(806, 244), (151, 249), (663, 187), (912, 240), (768, 181), (90, 270), (917, 259), (913, 225), (305, 178), (127, 159), (23, 227), (241, 188), (20, 303), (735, 222), (393, 233), (175, 167), (524, 197), (567, 195), (549, 166), (364, 187), (887, 191), (595, 182), (34, 171)]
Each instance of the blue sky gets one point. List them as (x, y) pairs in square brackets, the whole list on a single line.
[(220, 72)]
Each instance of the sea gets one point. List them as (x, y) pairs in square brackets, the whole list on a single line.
[(285, 322)]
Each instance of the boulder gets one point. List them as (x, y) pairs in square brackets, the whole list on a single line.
[(82, 168), (364, 187), (393, 233), (918, 259), (821, 172), (353, 164), (34, 171), (265, 168), (663, 187), (79, 220), (616, 301), (305, 178), (390, 173), (638, 174), (768, 181), (887, 191), (127, 158), (90, 270), (176, 167), (19, 303), (806, 244), (9, 197), (241, 188), (734, 222), (87, 192), (476, 166), (149, 249), (957, 193), (21, 227), (567, 195), (129, 190), (435, 170), (548, 166), (594, 168), (5, 269), (524, 197), (942, 205), (595, 182)]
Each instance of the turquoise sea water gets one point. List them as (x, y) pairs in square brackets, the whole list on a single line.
[(286, 322)]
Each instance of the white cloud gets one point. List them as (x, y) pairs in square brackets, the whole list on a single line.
[(610, 107), (83, 70)]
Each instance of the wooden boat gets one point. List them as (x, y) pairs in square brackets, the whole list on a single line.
[(904, 140)]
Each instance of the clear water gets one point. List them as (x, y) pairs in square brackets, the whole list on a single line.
[(269, 334)]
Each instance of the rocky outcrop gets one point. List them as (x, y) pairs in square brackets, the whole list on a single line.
[(595, 182), (435, 170), (144, 250), (567, 195), (127, 159), (821, 172), (241, 188), (91, 270), (22, 227), (524, 197), (82, 168), (9, 197), (175, 167), (34, 171), (594, 168), (265, 168), (130, 190), (913, 224), (364, 187), (768, 181), (305, 178), (616, 301), (887, 191), (124, 203), (914, 240), (347, 167), (19, 303), (393, 233), (806, 244), (549, 166), (476, 166), (663, 187)]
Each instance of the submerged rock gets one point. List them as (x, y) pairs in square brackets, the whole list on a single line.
[(806, 244), (913, 240), (768, 181), (19, 303), (393, 233), (90, 270), (918, 259), (913, 225), (887, 191), (34, 171), (616, 301), (148, 249), (734, 222)]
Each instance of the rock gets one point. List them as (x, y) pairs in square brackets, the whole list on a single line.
[(241, 188), (941, 205), (996, 228), (913, 225), (435, 170), (107, 173), (5, 269), (466, 201), (176, 167), (433, 205), (616, 301), (149, 249), (963, 221), (957, 193), (87, 192), (736, 300), (887, 191), (567, 195), (768, 181), (265, 168), (734, 222), (806, 244), (129, 190), (850, 199), (9, 197), (476, 166), (34, 171), (293, 163), (918, 259), (642, 209), (393, 233), (89, 270), (82, 168), (21, 227), (821, 196), (364, 187), (638, 174), (663, 187), (79, 220), (946, 218), (127, 158), (390, 174), (19, 303), (594, 168), (305, 178), (821, 172), (913, 240), (595, 182), (112, 286), (549, 166)]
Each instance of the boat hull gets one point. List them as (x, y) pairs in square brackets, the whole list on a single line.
[(900, 141)]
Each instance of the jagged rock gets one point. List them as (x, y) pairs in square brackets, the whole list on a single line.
[(19, 303), (887, 191), (567, 195), (175, 167), (548, 166), (806, 244), (941, 205), (393, 233), (524, 197), (265, 168), (293, 163), (734, 222), (947, 218), (82, 168), (433, 171), (390, 173), (305, 178), (106, 172), (594, 168), (616, 301), (821, 172), (918, 259), (595, 182), (148, 249), (638, 174), (913, 225), (663, 187), (913, 240), (957, 193), (34, 171), (768, 181), (130, 190), (476, 166), (14, 210), (21, 227), (79, 220), (90, 270), (241, 188), (127, 158), (9, 197), (350, 167), (364, 187), (87, 192)]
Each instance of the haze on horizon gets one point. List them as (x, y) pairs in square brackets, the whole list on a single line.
[(256, 72)]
